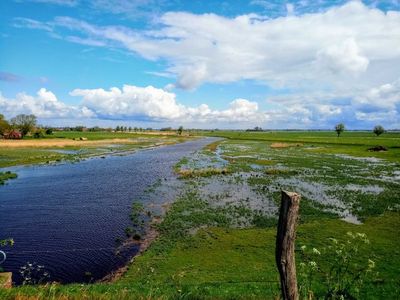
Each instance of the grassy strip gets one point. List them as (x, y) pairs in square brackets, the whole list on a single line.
[(30, 155)]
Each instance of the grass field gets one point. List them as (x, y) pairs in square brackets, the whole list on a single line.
[(61, 146), (217, 239)]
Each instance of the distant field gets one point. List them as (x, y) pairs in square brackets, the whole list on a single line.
[(389, 139), (62, 146), (102, 135), (354, 143)]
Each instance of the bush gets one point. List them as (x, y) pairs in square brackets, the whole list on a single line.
[(38, 134)]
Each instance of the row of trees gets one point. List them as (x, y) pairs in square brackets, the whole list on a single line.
[(378, 129), (130, 129)]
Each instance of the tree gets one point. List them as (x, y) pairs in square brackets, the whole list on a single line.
[(4, 125), (24, 123), (339, 128), (180, 130), (49, 131), (378, 130)]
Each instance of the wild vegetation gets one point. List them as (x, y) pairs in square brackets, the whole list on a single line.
[(226, 221)]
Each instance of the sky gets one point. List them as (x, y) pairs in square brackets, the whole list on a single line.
[(305, 64)]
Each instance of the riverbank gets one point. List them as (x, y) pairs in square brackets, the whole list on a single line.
[(68, 146)]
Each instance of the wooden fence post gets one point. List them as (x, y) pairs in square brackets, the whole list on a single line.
[(285, 238)]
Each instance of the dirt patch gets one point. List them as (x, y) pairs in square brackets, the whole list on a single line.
[(285, 145)]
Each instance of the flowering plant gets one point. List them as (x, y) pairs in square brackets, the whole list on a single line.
[(337, 270)]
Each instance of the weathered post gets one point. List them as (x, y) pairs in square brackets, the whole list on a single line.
[(284, 252)]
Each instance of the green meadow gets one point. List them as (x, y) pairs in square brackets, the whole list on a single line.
[(217, 239), (57, 147)]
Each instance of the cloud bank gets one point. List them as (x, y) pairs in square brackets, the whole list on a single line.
[(131, 103), (149, 104)]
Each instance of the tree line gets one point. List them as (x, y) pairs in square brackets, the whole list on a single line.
[(20, 126)]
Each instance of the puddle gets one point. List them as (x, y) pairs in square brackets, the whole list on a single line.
[(363, 159), (369, 189), (233, 189)]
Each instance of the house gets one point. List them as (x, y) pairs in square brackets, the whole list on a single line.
[(13, 135)]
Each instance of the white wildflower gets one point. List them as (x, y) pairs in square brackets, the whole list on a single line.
[(316, 251)]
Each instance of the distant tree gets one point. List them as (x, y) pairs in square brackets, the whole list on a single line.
[(135, 129), (339, 128), (180, 130), (130, 129), (4, 125), (125, 128), (378, 130), (49, 131), (24, 123), (39, 133), (117, 128)]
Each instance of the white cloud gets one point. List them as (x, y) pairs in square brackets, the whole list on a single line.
[(44, 105), (153, 104), (70, 3), (330, 48), (343, 57), (131, 102), (359, 109)]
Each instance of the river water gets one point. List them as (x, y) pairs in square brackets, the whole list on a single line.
[(67, 217)]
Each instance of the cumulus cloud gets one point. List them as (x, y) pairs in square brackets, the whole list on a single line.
[(153, 104), (343, 57), (333, 47), (131, 103), (363, 109), (44, 105)]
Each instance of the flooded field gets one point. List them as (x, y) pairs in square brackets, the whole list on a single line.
[(332, 185)]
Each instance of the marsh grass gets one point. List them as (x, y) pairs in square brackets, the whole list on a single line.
[(4, 176), (207, 172)]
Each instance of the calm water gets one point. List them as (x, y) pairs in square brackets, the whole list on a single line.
[(67, 217)]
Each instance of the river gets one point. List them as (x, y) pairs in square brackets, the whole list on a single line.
[(67, 217)]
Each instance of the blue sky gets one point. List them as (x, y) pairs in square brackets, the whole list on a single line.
[(226, 64)]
